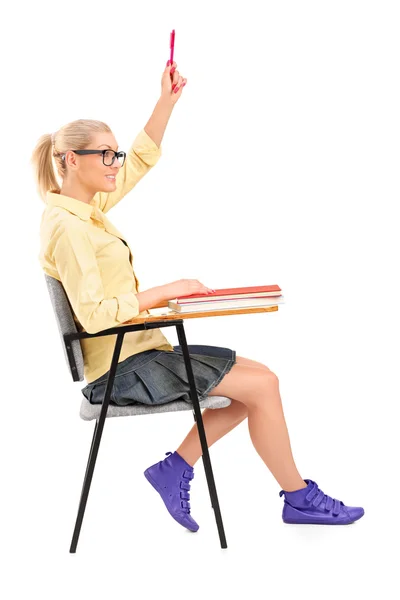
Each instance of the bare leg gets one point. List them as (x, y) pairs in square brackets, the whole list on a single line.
[(217, 423), (257, 389)]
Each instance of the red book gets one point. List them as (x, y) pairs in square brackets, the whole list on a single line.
[(255, 291)]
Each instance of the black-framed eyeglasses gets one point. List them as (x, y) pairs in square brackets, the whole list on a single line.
[(109, 156)]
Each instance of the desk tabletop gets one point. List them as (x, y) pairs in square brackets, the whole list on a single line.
[(165, 314)]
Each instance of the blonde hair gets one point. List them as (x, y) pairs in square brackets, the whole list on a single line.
[(76, 135)]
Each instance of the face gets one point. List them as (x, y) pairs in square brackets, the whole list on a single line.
[(89, 169)]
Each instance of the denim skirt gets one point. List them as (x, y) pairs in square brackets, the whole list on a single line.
[(159, 376)]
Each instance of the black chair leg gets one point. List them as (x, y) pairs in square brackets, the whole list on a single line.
[(86, 485), (98, 430), (204, 464), (91, 449), (199, 420)]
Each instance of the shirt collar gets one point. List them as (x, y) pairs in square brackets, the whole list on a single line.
[(77, 207)]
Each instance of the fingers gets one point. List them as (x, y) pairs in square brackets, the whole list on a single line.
[(176, 78), (205, 288), (178, 84)]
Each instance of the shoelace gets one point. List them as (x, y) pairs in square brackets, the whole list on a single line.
[(185, 485)]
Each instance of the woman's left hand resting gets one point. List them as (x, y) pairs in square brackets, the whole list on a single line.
[(172, 83)]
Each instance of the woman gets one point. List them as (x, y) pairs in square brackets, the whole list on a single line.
[(82, 249)]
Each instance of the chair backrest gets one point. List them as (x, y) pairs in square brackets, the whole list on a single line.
[(66, 324)]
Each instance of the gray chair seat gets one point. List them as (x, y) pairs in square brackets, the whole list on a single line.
[(92, 411)]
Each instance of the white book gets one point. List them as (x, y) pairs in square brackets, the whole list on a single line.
[(224, 304)]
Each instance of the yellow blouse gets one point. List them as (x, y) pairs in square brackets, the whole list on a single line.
[(81, 248)]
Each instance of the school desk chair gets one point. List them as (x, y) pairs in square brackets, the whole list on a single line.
[(73, 354)]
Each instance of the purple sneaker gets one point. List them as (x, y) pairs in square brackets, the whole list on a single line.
[(311, 505), (171, 478)]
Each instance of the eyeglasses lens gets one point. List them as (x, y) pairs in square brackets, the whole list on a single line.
[(109, 158)]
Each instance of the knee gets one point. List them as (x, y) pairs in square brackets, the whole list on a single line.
[(270, 379), (266, 388)]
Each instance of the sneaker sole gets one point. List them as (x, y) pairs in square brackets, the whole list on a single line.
[(156, 487), (312, 522)]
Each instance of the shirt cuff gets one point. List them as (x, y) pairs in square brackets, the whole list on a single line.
[(128, 307), (144, 147)]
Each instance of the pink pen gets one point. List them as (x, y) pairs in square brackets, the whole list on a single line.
[(172, 45)]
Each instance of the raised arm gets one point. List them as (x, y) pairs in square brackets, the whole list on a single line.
[(141, 157), (146, 149)]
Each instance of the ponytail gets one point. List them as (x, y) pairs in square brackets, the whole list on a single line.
[(43, 165)]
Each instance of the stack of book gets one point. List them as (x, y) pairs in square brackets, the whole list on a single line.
[(222, 299)]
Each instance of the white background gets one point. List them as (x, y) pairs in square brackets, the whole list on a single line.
[(280, 165)]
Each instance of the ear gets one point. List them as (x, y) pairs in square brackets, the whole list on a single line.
[(71, 159)]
